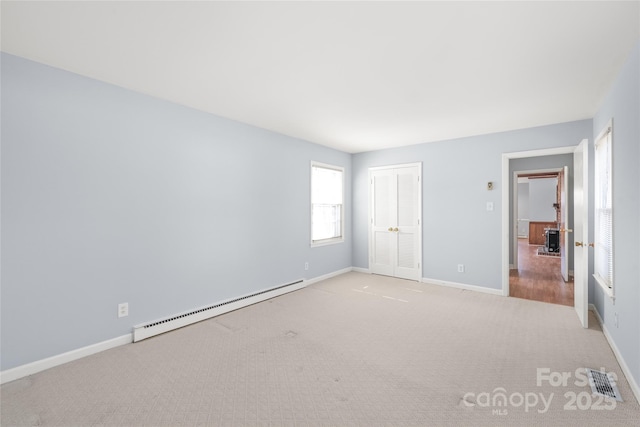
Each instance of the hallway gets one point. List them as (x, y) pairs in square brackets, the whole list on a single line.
[(538, 277)]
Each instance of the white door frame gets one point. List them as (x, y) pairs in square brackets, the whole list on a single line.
[(564, 238), (506, 179), (418, 165), (581, 232)]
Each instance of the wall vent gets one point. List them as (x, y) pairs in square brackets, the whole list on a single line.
[(603, 384), (167, 324)]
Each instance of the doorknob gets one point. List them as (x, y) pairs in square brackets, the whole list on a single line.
[(566, 230), (593, 245), (396, 229), (390, 229)]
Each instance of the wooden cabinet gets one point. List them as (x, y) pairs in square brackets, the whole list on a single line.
[(536, 231)]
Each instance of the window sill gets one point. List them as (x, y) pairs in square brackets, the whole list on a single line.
[(327, 242), (607, 290)]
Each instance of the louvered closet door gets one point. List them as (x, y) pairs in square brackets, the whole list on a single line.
[(394, 239), (408, 186)]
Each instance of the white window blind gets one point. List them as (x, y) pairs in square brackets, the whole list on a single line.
[(327, 183), (603, 256)]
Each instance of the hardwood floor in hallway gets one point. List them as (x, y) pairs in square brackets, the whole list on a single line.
[(538, 277)]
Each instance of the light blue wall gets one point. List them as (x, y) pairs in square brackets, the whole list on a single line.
[(622, 104), (542, 196), (523, 209), (110, 196), (457, 227), (523, 200)]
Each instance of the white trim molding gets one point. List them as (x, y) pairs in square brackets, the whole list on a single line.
[(60, 359), (332, 240), (464, 286), (308, 282), (635, 388), (53, 361)]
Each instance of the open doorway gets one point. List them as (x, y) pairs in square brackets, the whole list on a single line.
[(577, 158), (541, 202), (540, 210)]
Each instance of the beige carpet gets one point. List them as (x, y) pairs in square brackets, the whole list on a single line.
[(355, 350)]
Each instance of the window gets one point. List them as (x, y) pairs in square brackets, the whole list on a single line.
[(327, 212), (603, 233)]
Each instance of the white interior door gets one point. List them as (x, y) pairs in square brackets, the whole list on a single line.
[(395, 231), (383, 211), (563, 182), (581, 231)]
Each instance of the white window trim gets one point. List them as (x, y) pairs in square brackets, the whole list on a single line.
[(334, 240), (608, 290)]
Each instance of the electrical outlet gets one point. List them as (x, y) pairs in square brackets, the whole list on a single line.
[(123, 309), (306, 266), (460, 268)]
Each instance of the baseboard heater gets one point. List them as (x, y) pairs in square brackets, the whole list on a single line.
[(167, 324)]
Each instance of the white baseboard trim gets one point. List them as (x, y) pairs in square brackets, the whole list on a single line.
[(179, 320), (360, 270), (60, 359), (462, 286), (50, 362), (625, 368), (53, 361), (198, 314), (592, 307), (308, 282)]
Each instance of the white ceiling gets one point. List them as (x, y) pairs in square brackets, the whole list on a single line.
[(356, 76)]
